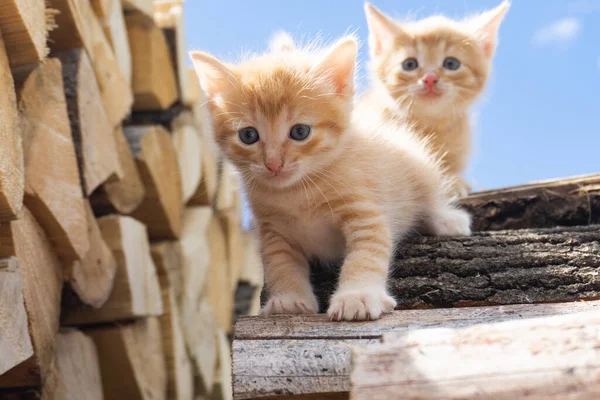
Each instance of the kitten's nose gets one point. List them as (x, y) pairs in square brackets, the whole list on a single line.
[(274, 166), (430, 79)]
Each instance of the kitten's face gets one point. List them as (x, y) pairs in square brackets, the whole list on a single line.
[(435, 65), (278, 119)]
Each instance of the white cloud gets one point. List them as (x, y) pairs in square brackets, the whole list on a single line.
[(559, 33)]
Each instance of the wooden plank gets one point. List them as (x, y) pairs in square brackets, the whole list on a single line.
[(559, 202), (91, 129), (12, 179), (136, 292), (218, 278), (15, 342), (552, 357), (295, 355), (188, 145), (131, 360), (41, 274), (156, 159), (53, 189), (154, 81), (113, 23), (505, 267), (25, 25), (141, 6)]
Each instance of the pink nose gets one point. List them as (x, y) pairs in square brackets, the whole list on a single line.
[(274, 166), (430, 79)]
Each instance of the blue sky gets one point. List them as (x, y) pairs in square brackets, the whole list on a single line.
[(540, 116)]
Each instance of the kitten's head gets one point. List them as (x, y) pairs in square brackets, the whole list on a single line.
[(280, 115), (435, 64)]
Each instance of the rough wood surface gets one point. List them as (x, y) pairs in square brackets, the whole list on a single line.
[(131, 360), (188, 145), (551, 357), (170, 255), (156, 159), (136, 292), (52, 186), (218, 281), (560, 202), (90, 126), (12, 179), (113, 23), (141, 6), (41, 274), (154, 81), (15, 342), (296, 355), (25, 25)]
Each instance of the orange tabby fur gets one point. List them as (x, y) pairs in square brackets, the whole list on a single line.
[(398, 94), (352, 189)]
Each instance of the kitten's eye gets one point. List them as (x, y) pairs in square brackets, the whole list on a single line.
[(410, 64), (248, 135), (299, 132), (451, 63)]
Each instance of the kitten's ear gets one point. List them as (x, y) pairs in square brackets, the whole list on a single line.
[(487, 26), (382, 29), (338, 64), (214, 76)]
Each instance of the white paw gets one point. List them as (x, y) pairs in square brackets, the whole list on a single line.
[(452, 222), (360, 304), (291, 303)]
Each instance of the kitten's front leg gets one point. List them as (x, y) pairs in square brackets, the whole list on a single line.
[(361, 293), (287, 278)]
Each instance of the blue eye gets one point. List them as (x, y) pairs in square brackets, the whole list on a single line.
[(248, 135), (299, 132), (410, 64), (451, 63)]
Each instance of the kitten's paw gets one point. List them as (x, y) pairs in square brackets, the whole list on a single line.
[(360, 304), (451, 222), (291, 303)]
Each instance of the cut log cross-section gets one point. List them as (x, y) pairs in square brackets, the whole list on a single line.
[(161, 209), (136, 291), (53, 189), (92, 132)]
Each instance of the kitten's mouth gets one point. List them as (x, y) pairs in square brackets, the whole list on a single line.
[(430, 93)]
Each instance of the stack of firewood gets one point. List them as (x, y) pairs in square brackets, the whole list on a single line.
[(121, 244)]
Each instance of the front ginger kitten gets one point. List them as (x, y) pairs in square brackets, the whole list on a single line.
[(318, 185), (428, 74)]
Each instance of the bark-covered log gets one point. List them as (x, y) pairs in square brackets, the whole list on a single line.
[(559, 202)]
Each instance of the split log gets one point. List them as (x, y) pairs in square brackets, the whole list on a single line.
[(41, 275), (141, 6), (218, 285), (76, 372), (122, 195), (197, 253), (505, 267), (131, 360), (228, 188), (52, 187), (169, 254), (15, 342), (551, 357), (92, 278), (232, 227), (310, 355), (188, 145), (252, 271), (136, 292), (207, 189), (161, 209), (103, 8), (559, 202), (194, 89), (91, 129), (25, 25), (113, 23), (154, 82), (12, 180), (223, 386)]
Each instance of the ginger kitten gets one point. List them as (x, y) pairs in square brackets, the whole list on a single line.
[(319, 185), (428, 73)]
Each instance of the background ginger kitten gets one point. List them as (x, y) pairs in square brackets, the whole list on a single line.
[(428, 73), (318, 186)]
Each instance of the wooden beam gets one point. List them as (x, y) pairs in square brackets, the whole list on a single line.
[(188, 145), (550, 357), (156, 159), (144, 7), (154, 81), (53, 189), (12, 180), (558, 202), (41, 274), (310, 355), (15, 342), (25, 25), (91, 129), (219, 281), (132, 360), (115, 30), (136, 292)]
